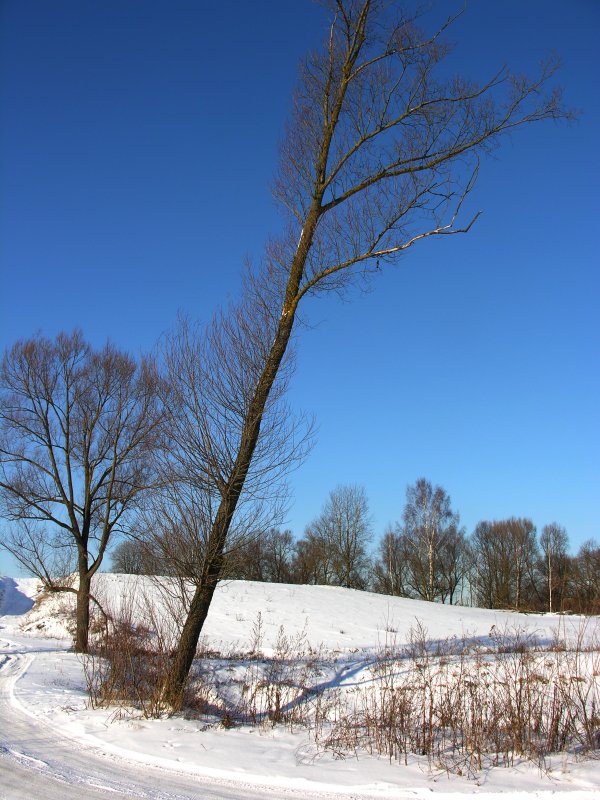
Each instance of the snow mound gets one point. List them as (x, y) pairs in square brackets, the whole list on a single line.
[(16, 595)]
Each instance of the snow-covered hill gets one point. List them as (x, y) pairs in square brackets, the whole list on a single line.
[(43, 681), (336, 618)]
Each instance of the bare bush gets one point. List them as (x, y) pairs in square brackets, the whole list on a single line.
[(127, 662)]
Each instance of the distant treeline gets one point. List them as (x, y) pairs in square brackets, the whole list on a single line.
[(503, 564)]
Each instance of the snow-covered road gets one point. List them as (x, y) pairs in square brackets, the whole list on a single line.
[(36, 762)]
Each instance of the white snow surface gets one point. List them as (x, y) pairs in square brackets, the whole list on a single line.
[(42, 689)]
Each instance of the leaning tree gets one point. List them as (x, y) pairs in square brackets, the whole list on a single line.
[(380, 152), (76, 429)]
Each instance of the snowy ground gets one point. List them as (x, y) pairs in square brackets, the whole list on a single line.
[(50, 739)]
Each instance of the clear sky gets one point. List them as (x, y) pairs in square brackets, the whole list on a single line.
[(137, 143)]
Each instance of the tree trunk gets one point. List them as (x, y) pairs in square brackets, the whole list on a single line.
[(83, 612), (430, 556), (186, 650)]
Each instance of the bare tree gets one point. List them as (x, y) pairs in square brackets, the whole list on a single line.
[(343, 532), (585, 578), (313, 563), (268, 556), (524, 549), (380, 153), (128, 558), (402, 566), (483, 565), (554, 545), (209, 378), (429, 523), (504, 557), (76, 427), (492, 578), (454, 565), (390, 570), (279, 558)]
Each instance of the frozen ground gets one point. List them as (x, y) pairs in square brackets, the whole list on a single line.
[(52, 745)]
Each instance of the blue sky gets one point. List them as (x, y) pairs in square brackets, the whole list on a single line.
[(137, 143)]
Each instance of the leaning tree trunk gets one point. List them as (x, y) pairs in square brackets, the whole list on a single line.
[(173, 688), (200, 603)]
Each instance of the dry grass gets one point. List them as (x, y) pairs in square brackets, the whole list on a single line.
[(464, 710)]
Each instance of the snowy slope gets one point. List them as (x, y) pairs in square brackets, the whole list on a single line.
[(338, 619), (43, 684)]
